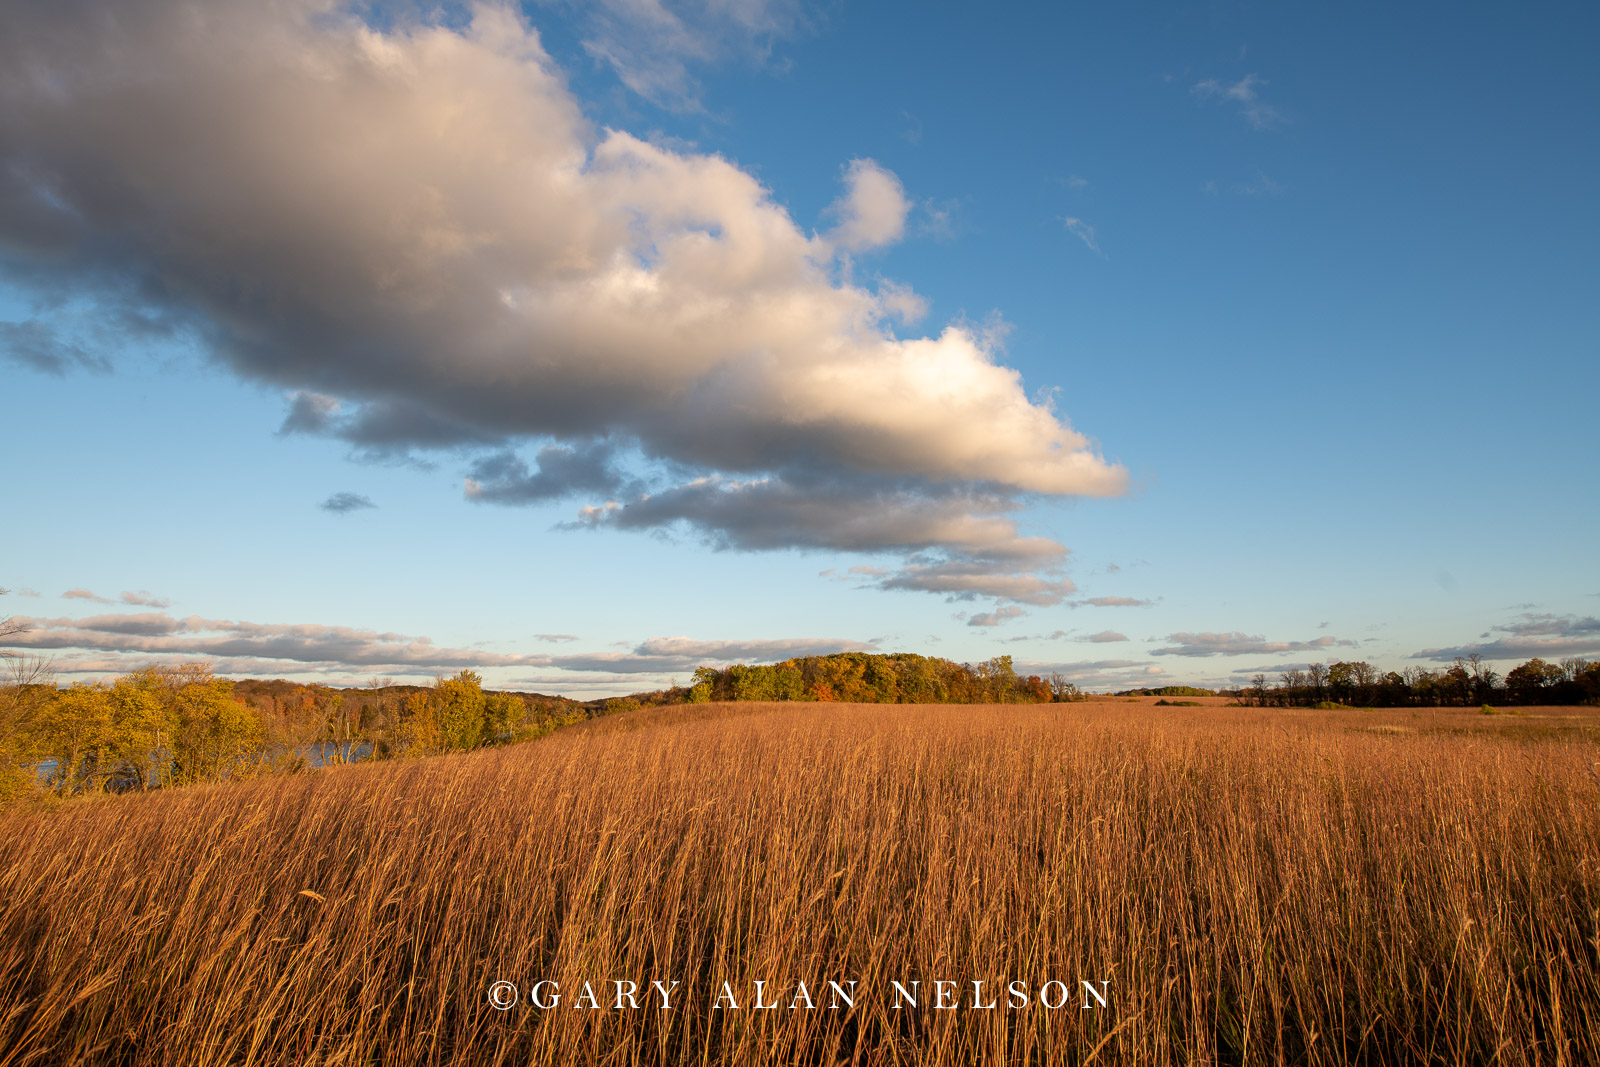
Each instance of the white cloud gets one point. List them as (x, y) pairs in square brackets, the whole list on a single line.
[(1549, 625), (277, 648), (902, 302), (872, 212), (1083, 231), (938, 218), (995, 617), (146, 599), (1257, 112), (1094, 674), (968, 580), (415, 230), (653, 46), (1236, 644), (913, 131), (1260, 185), (1544, 635)]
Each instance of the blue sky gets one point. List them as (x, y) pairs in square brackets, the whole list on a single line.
[(1302, 304)]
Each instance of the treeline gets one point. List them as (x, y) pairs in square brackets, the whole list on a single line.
[(1168, 691), (1466, 682), (172, 726), (878, 678), (423, 717), (167, 726)]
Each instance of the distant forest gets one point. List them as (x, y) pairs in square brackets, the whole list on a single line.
[(903, 678), (878, 678), (166, 726), (170, 726), (1466, 682)]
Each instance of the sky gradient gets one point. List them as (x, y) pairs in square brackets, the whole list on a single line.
[(585, 344)]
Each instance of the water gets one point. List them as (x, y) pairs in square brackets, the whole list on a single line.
[(317, 754), (333, 753)]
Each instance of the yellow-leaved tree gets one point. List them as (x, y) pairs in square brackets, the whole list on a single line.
[(418, 732), (459, 704), (136, 747), (68, 733), (450, 718), (199, 731), (214, 735), (502, 716), (91, 734)]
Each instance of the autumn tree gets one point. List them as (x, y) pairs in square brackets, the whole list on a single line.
[(89, 734), (214, 736), (502, 716), (1062, 689), (26, 689), (451, 717), (379, 688), (1528, 682), (460, 706), (69, 733), (196, 730), (419, 729)]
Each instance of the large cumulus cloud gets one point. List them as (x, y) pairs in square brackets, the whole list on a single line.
[(415, 230)]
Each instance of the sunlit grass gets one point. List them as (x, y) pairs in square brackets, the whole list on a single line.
[(1255, 886)]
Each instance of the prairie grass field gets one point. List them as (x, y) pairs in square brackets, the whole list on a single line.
[(1245, 885)]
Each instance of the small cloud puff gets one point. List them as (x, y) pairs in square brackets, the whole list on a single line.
[(996, 617), (872, 212), (1084, 232), (1257, 112), (346, 502)]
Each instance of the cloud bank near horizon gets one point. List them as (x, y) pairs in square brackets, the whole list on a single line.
[(103, 645), (110, 644), (1238, 644), (1541, 635), (415, 232)]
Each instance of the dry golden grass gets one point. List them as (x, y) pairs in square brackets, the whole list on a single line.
[(1257, 887)]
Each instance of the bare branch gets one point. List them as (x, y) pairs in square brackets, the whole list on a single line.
[(10, 628)]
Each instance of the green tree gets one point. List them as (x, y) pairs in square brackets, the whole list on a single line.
[(458, 705)]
